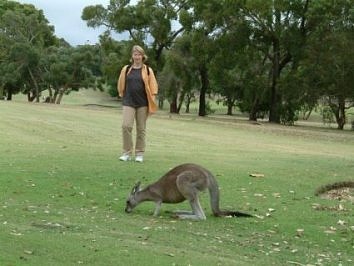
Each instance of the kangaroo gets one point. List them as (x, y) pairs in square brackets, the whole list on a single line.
[(183, 182)]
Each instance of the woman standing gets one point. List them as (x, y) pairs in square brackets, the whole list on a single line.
[(138, 87)]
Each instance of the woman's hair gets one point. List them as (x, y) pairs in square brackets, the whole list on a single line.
[(139, 49)]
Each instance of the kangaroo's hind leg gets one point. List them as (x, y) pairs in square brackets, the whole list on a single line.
[(187, 184), (197, 212)]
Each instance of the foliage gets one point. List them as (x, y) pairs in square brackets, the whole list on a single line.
[(267, 58), (145, 21), (114, 56), (34, 60), (149, 23), (70, 68), (179, 78), (328, 69), (24, 33)]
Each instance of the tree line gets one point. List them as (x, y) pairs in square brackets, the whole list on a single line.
[(274, 59)]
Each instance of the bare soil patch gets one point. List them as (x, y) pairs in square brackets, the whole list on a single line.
[(343, 191)]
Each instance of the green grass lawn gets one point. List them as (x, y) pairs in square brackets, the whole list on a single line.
[(63, 190)]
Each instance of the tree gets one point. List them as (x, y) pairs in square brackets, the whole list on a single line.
[(279, 30), (24, 33), (147, 20), (201, 25), (70, 69), (151, 24), (237, 71), (179, 75), (327, 70), (114, 54)]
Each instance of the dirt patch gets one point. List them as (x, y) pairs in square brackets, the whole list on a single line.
[(343, 191), (346, 194)]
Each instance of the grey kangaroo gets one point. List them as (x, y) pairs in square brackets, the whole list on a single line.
[(183, 182)]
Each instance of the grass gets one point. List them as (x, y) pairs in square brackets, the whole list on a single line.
[(63, 190)]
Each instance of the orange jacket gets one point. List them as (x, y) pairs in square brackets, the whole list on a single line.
[(150, 83)]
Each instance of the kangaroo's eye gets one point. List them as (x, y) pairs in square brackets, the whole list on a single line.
[(128, 202)]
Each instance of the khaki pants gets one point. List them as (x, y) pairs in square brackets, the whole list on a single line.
[(140, 116)]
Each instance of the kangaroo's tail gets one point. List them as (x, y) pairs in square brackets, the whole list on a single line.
[(215, 198), (234, 214)]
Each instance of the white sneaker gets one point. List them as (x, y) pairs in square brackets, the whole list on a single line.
[(124, 157), (139, 158)]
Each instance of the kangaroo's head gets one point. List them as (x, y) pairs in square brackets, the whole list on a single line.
[(131, 200)]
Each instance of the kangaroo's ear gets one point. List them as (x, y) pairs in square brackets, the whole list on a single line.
[(136, 187)]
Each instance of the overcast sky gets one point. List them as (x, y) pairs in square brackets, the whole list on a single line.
[(65, 16)]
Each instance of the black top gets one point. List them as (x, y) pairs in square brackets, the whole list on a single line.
[(135, 94)]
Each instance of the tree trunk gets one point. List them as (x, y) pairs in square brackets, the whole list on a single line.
[(31, 96), (230, 104), (254, 110), (181, 100), (2, 96), (173, 105), (275, 98), (338, 109), (55, 96), (340, 113), (203, 90), (60, 95), (35, 85), (9, 95), (51, 96), (307, 114), (188, 102), (229, 109), (160, 102)]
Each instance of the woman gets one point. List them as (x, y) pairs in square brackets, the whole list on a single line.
[(138, 87)]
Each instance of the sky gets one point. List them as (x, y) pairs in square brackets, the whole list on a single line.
[(65, 16)]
